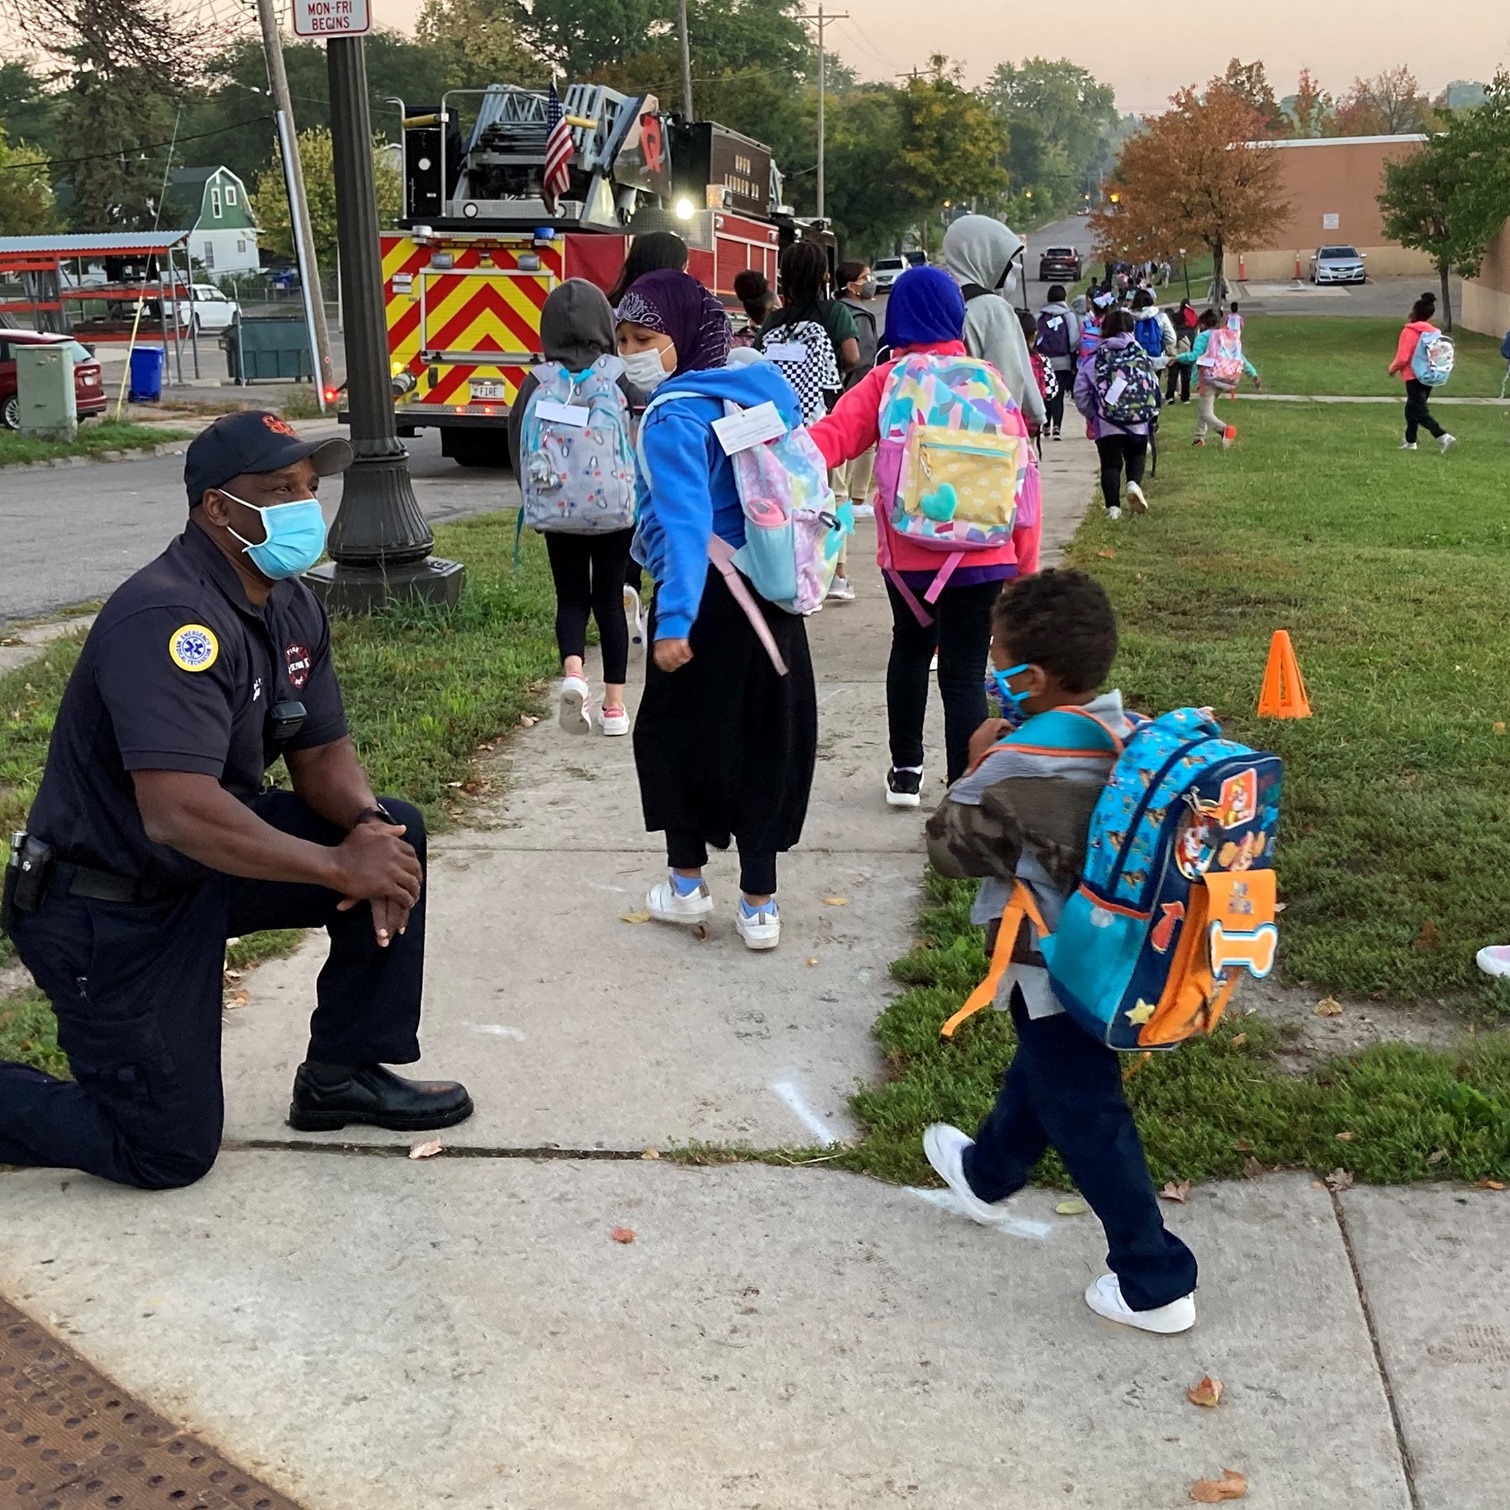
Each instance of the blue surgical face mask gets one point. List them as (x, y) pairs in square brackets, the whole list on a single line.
[(1011, 702), (295, 537)]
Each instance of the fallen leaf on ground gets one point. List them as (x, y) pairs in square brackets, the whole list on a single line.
[(1436, 1156), (1173, 1192), (634, 917), (527, 721), (1107, 555), (1241, 1145), (1072, 1207), (812, 960), (425, 1150), (238, 999), (1252, 1168), (1488, 1184), (1329, 1006), (836, 901), (1239, 1040), (1499, 728), (1231, 1486), (623, 1234), (700, 932), (651, 1153), (1428, 938), (1346, 1137), (234, 974), (1208, 1392), (1340, 1179)]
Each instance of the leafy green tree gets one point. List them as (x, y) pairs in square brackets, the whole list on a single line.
[(1056, 116), (1250, 82), (28, 109), (952, 144), (477, 38), (26, 207), (578, 36), (864, 129), (1450, 198), (270, 201)]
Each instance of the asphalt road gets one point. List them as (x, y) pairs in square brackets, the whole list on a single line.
[(69, 534)]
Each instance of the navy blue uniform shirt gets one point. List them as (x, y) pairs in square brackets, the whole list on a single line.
[(178, 674)]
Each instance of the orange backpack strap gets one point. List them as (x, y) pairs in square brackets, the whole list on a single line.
[(1021, 904)]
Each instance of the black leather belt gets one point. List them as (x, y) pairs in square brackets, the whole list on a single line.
[(103, 886)]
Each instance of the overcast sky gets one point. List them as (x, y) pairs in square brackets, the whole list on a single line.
[(1146, 51)]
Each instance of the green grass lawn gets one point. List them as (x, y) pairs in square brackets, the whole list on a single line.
[(1349, 355), (94, 437), (423, 689), (1392, 572), (1208, 1110)]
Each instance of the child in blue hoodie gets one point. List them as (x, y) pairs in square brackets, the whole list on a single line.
[(725, 743)]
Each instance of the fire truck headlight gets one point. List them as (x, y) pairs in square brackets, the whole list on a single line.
[(684, 209)]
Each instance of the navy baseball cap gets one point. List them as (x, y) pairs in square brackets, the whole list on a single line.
[(254, 441)]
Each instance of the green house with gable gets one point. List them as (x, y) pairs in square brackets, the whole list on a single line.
[(214, 203)]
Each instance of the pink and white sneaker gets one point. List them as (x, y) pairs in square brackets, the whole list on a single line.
[(1494, 959)]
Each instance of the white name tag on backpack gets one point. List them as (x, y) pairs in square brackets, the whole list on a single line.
[(1116, 389), (786, 351), (750, 427), (563, 414)]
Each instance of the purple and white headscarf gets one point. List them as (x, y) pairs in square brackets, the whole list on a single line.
[(677, 305)]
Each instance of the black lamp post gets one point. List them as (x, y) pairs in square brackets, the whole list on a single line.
[(379, 542)]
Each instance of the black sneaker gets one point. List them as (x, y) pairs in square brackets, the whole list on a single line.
[(904, 788)]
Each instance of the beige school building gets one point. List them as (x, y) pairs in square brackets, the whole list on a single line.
[(1332, 184), (1486, 299)]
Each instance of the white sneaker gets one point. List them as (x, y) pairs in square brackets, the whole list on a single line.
[(1445, 443), (1135, 499), (945, 1147), (904, 788), (574, 715), (865, 511), (1104, 1297), (761, 929), (634, 611), (1494, 959), (1408, 445), (667, 905), (841, 591), (615, 721), (1114, 513)]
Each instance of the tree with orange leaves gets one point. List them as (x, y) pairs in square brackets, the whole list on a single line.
[(1192, 175)]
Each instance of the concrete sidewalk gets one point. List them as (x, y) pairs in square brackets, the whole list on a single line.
[(365, 1332)]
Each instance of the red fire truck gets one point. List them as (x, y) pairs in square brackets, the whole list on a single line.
[(465, 280)]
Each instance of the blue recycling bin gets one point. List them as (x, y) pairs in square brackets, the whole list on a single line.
[(147, 375)]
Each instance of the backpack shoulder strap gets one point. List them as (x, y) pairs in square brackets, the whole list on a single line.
[(974, 291), (1022, 904)]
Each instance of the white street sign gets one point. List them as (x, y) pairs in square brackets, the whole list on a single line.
[(332, 18)]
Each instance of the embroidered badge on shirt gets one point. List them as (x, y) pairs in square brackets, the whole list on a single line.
[(193, 648), (298, 660)]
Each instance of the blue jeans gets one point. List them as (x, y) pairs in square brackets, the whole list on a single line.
[(1064, 1089)]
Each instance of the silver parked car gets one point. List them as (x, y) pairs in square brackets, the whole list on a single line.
[(1338, 264)]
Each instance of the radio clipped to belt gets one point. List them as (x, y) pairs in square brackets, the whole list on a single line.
[(27, 873)]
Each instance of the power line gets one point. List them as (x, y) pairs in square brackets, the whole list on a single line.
[(134, 147)]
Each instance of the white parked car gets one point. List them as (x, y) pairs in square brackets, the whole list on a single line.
[(887, 270), (212, 309), (1338, 264)]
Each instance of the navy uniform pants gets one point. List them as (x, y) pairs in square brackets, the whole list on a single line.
[(1064, 1089), (138, 995)]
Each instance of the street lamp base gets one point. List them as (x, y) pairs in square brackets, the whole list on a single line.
[(363, 589)]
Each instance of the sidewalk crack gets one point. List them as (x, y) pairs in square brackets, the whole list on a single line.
[(1407, 1462)]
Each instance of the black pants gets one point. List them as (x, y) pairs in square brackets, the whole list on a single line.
[(1417, 415), (961, 633), (589, 573), (1179, 375), (137, 993), (1054, 407), (1063, 1089), (1119, 452), (686, 849)]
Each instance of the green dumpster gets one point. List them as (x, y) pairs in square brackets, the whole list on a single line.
[(268, 347)]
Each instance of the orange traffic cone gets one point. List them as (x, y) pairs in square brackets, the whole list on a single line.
[(1284, 692)]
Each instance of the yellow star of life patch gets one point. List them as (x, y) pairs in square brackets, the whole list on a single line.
[(193, 647)]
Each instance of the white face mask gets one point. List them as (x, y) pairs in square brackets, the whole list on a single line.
[(644, 369)]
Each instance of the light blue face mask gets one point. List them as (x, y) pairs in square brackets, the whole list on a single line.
[(295, 537), (1011, 702)]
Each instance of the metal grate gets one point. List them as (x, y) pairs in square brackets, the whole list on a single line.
[(70, 1437)]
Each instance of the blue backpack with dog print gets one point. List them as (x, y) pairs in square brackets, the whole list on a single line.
[(1178, 895)]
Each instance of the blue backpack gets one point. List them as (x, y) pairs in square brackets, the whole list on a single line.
[(1433, 359), (1149, 334), (1178, 890)]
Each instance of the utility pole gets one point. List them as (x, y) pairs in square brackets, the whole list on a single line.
[(681, 23), (298, 203), (379, 543), (822, 18)]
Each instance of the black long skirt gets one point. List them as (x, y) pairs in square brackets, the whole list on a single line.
[(724, 746)]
